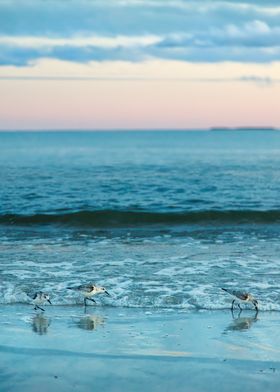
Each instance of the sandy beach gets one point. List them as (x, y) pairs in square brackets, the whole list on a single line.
[(113, 349)]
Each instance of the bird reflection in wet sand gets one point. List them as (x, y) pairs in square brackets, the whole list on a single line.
[(90, 322), (241, 324), (40, 324)]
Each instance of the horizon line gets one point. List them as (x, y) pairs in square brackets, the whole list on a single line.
[(207, 129)]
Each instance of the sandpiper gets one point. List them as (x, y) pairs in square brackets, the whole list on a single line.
[(243, 297), (40, 298), (88, 291)]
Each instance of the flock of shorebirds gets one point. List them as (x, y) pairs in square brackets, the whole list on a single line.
[(89, 290)]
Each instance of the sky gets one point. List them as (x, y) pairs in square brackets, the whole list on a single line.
[(139, 64)]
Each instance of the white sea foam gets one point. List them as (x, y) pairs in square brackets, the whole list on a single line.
[(164, 272)]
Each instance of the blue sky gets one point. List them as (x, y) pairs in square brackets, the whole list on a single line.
[(219, 48)]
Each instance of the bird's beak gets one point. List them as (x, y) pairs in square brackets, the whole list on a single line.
[(49, 302), (106, 292)]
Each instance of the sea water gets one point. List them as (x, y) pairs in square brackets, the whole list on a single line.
[(161, 219)]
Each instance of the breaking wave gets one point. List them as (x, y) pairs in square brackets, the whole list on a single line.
[(113, 218)]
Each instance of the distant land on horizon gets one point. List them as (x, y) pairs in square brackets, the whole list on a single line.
[(250, 128)]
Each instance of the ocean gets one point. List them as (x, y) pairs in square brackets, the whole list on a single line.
[(162, 219)]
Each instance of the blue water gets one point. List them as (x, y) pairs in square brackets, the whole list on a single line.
[(161, 219)]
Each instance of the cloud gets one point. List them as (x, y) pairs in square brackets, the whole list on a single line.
[(82, 41), (253, 41), (152, 70), (262, 81), (136, 30)]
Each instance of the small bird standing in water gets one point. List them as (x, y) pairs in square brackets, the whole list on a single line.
[(40, 298), (88, 291), (243, 297)]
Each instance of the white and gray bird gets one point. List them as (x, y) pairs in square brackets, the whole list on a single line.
[(88, 291), (242, 297), (40, 298)]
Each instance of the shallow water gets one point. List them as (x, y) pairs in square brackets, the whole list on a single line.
[(161, 219)]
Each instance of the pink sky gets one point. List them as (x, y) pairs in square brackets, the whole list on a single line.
[(162, 94), (139, 64)]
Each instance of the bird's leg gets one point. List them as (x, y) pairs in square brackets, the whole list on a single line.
[(85, 301), (91, 299), (240, 308), (38, 307), (232, 304)]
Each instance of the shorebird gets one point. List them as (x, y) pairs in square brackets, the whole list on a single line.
[(88, 291), (40, 298), (243, 297)]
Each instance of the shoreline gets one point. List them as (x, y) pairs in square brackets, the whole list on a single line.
[(130, 349)]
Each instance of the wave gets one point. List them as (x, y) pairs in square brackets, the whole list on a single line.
[(115, 219)]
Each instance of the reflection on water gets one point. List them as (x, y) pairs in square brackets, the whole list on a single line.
[(40, 324), (241, 323), (90, 322)]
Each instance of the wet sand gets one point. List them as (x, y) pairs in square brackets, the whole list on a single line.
[(119, 349)]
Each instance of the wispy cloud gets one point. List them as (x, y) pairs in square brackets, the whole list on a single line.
[(270, 8), (79, 42), (263, 75), (259, 80)]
